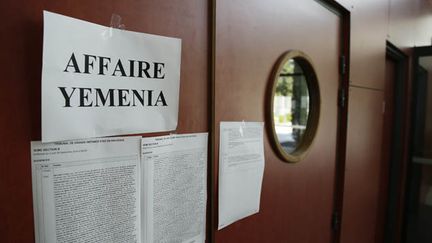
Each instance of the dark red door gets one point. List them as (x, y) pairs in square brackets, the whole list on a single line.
[(297, 200)]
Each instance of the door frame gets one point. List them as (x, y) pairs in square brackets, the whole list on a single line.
[(394, 204), (342, 126)]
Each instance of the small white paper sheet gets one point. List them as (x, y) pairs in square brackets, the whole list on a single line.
[(175, 188), (99, 81), (241, 169)]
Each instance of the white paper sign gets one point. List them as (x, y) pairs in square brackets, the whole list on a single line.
[(98, 81), (241, 169)]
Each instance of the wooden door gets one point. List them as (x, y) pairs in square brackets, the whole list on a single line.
[(21, 61), (297, 200)]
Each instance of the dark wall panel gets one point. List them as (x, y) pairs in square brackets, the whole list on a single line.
[(363, 166)]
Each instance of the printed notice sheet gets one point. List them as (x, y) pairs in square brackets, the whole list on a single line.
[(175, 172), (241, 169), (100, 81), (87, 190)]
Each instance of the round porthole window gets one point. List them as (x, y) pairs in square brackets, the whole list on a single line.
[(294, 105)]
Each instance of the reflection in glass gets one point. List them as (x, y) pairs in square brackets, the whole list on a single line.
[(291, 106)]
